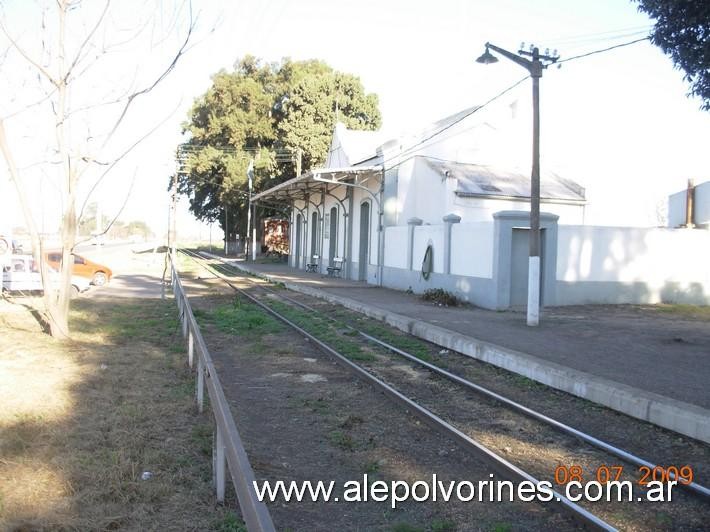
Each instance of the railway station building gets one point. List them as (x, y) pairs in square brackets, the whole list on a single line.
[(448, 207)]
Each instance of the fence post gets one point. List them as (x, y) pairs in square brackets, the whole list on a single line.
[(220, 463), (184, 320), (190, 349), (200, 385)]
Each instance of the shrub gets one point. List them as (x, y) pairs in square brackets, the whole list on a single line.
[(441, 297)]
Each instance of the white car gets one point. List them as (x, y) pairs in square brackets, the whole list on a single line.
[(22, 275)]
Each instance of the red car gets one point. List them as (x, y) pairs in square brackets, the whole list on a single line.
[(83, 267)]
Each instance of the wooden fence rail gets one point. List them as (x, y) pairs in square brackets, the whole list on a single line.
[(228, 449)]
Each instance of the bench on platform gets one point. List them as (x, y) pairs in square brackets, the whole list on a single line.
[(336, 268), (313, 265)]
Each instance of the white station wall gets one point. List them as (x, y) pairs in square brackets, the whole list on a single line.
[(654, 256), (396, 243), (472, 249), (423, 236)]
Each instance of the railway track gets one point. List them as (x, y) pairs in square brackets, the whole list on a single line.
[(443, 399)]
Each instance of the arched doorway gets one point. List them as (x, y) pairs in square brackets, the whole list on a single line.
[(333, 240), (297, 246), (314, 234)]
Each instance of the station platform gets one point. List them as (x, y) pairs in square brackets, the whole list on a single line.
[(650, 362)]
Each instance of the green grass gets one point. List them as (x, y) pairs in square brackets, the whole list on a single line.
[(150, 320), (230, 523), (371, 467), (442, 525), (342, 440), (318, 406), (324, 330), (406, 527), (406, 343), (351, 422), (122, 403), (201, 435), (684, 311), (240, 319)]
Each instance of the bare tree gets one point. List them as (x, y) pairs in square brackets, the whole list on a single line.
[(77, 44)]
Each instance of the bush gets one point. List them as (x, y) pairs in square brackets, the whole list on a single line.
[(441, 297)]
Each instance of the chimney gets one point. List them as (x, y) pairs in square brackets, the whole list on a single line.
[(689, 204)]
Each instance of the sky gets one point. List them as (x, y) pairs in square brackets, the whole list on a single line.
[(619, 123)]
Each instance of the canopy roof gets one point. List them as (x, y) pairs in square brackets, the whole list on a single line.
[(312, 182)]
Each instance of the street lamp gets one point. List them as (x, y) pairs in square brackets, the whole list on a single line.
[(534, 66)]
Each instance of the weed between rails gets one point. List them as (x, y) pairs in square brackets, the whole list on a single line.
[(240, 319), (324, 330)]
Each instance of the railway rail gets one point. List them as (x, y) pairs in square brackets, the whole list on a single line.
[(383, 380)]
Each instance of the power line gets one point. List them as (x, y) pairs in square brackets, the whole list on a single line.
[(500, 94), (612, 34), (280, 155), (602, 50), (460, 119)]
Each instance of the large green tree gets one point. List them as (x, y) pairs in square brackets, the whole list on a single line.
[(682, 30), (272, 113)]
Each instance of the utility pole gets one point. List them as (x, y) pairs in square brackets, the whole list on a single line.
[(535, 66), (250, 178), (226, 230), (253, 238), (173, 223)]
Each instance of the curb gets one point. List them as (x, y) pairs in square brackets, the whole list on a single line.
[(678, 416)]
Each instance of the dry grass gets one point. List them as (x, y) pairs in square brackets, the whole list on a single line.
[(83, 419)]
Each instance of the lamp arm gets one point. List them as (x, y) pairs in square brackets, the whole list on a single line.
[(525, 63)]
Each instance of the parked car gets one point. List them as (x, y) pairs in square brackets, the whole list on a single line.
[(83, 267), (10, 245), (23, 275)]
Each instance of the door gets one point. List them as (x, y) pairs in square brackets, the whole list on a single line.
[(299, 229), (314, 234), (519, 264), (333, 240), (364, 240)]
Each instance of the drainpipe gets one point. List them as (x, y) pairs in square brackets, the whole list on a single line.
[(322, 229), (345, 239), (292, 236), (690, 204), (349, 238), (449, 221), (307, 250), (380, 230), (412, 223)]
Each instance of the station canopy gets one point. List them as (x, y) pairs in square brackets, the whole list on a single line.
[(313, 181)]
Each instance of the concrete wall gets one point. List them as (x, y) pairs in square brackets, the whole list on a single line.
[(471, 261), (632, 265), (588, 264), (426, 235), (472, 249), (396, 248)]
